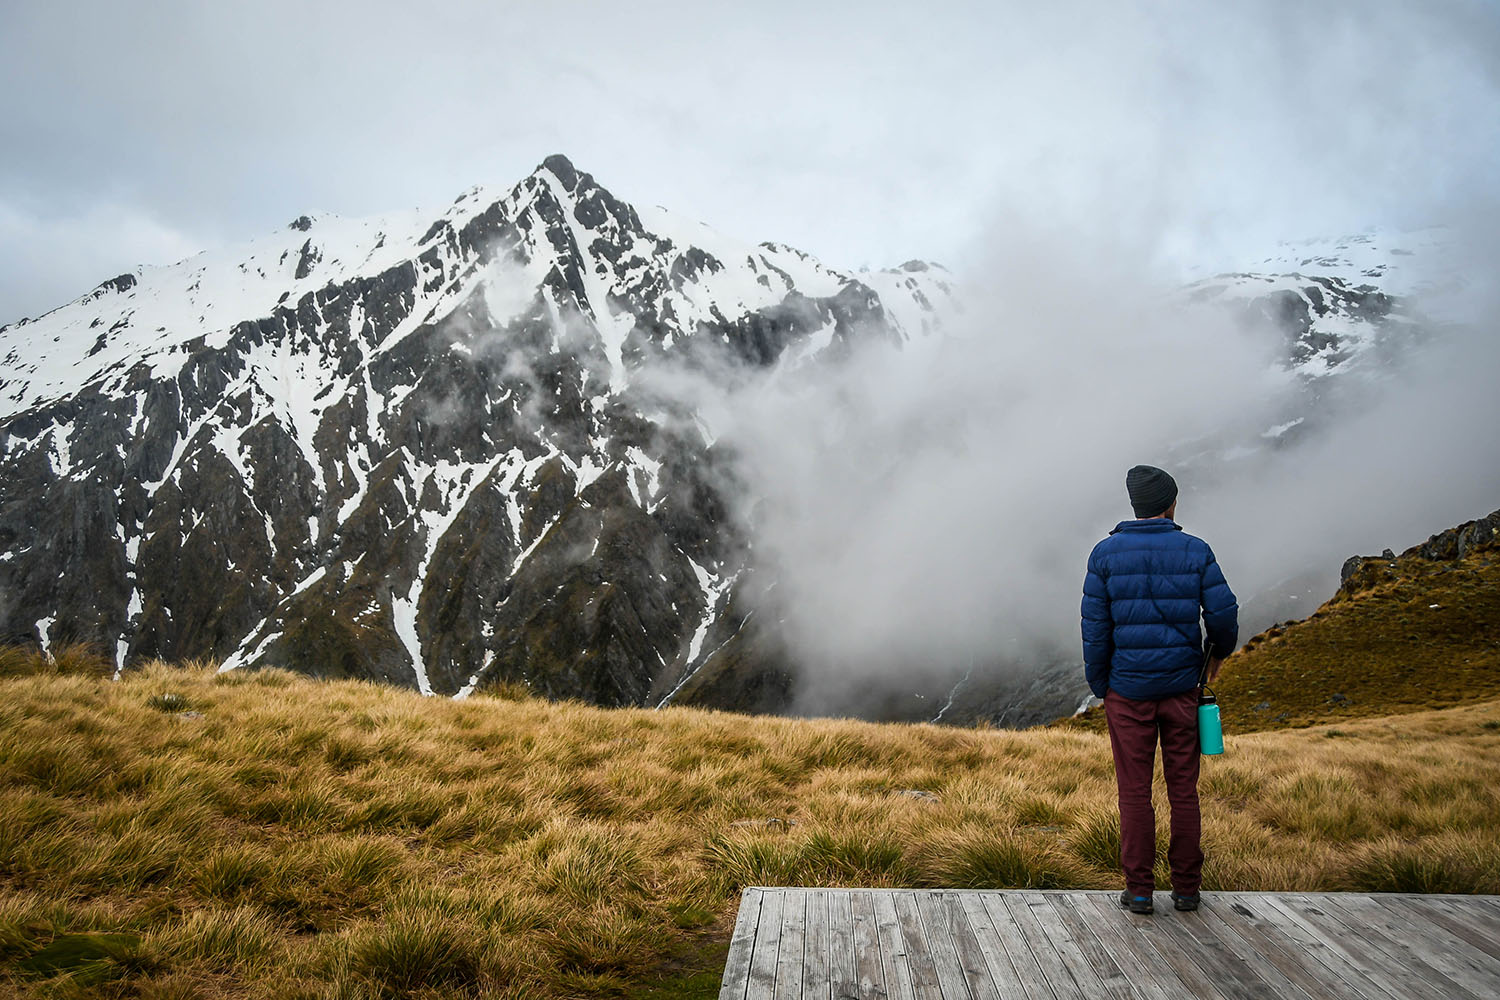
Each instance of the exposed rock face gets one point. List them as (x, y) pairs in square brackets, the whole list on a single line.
[(422, 451), (1363, 572), (413, 453)]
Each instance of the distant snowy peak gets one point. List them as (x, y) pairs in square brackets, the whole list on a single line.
[(1400, 262), (556, 227), (155, 309), (1343, 303)]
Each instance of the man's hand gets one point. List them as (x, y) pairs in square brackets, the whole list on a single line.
[(1214, 664)]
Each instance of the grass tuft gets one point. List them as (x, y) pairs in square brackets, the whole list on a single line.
[(168, 701), (62, 660), (231, 872), (1096, 839), (583, 862), (411, 952), (240, 940), (1446, 865), (980, 858), (86, 960)]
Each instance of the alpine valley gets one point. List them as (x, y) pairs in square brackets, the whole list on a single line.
[(424, 450)]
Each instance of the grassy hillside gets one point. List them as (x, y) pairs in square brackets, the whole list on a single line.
[(184, 834), (1402, 634)]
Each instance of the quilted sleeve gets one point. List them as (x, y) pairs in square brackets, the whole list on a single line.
[(1098, 628), (1220, 609)]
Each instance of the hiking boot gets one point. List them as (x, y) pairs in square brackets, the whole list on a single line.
[(1135, 904), (1184, 901)]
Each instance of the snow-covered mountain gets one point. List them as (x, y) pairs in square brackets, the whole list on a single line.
[(407, 448), (422, 450)]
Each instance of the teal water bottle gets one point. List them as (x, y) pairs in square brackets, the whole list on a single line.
[(1210, 731)]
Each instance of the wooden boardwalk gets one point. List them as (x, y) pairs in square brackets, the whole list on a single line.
[(869, 944)]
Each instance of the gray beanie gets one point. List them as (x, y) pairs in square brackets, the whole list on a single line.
[(1151, 490)]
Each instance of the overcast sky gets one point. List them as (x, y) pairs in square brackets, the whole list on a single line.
[(864, 133)]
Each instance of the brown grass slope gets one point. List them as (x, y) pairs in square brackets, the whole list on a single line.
[(1403, 634), (181, 833)]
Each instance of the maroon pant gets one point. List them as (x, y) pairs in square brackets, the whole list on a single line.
[(1134, 728)]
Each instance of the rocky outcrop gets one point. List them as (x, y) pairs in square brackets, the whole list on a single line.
[(1451, 546)]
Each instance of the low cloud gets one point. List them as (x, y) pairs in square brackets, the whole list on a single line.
[(929, 506)]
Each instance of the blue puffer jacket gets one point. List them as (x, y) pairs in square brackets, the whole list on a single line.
[(1142, 596)]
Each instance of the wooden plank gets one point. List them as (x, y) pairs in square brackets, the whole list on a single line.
[(1054, 967), (1002, 971), (1418, 943), (1274, 957), (761, 982), (1314, 945), (788, 984), (1366, 923), (1200, 958), (914, 969), (843, 981), (1472, 910), (971, 957), (815, 963), (1267, 966), (870, 976), (1028, 971), (1374, 962), (1166, 934), (1152, 976), (741, 944), (1233, 967), (897, 972), (1460, 921), (1116, 983), (1431, 924), (1314, 960), (953, 984)]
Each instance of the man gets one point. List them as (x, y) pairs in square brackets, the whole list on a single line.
[(1143, 653)]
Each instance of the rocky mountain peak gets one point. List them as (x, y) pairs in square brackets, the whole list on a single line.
[(562, 168), (408, 448)]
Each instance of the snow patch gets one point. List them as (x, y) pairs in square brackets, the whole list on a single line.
[(713, 592), (1280, 429), (62, 462), (473, 681), (404, 619), (44, 635)]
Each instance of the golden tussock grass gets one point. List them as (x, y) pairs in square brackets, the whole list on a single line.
[(181, 833)]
